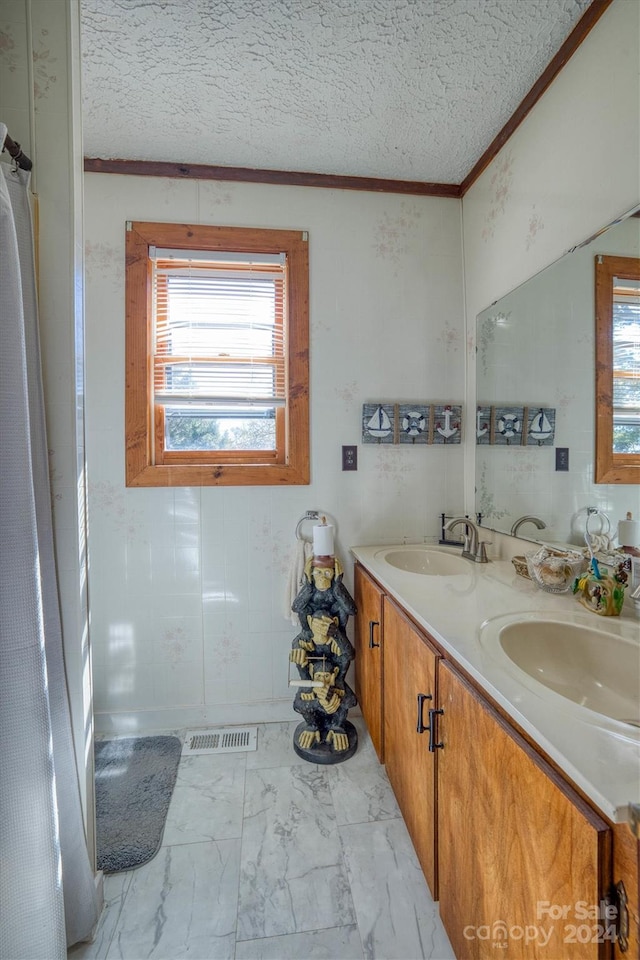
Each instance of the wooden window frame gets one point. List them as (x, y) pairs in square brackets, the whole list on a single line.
[(610, 467), (143, 469)]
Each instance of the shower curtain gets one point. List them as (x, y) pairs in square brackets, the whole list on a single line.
[(47, 892)]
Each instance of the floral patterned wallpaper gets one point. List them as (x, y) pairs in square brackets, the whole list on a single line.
[(188, 585)]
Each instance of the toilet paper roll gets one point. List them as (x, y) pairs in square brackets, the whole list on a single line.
[(629, 533), (323, 540)]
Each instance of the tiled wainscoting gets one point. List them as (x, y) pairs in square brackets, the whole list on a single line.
[(265, 855)]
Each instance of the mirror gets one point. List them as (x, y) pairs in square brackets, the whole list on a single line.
[(536, 351)]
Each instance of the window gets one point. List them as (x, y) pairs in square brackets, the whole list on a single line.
[(617, 369), (626, 365), (217, 347)]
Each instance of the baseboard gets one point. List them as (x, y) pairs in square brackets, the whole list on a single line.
[(132, 722)]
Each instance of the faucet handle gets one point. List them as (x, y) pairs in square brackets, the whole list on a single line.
[(481, 555)]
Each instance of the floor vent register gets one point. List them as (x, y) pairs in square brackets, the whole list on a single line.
[(220, 740)]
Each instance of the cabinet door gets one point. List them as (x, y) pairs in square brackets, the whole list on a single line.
[(521, 856), (369, 653), (626, 875), (409, 693)]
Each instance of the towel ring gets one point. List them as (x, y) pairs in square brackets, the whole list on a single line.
[(310, 515), (604, 530)]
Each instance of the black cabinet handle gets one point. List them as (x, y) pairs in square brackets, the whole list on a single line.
[(433, 746), (421, 699), (619, 897), (372, 624)]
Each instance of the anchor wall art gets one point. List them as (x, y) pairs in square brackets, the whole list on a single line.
[(412, 423), (531, 426)]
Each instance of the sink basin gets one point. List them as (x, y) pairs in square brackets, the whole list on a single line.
[(590, 667), (428, 561)]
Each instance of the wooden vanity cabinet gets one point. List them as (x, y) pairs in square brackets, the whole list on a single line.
[(522, 865), (516, 846), (409, 694), (369, 649)]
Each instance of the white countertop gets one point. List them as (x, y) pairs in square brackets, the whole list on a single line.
[(601, 756)]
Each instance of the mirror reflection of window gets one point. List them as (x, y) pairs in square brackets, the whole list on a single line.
[(626, 365), (617, 302)]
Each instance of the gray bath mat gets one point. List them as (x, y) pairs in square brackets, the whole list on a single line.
[(135, 777)]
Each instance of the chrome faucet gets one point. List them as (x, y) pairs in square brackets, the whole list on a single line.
[(540, 524), (473, 549)]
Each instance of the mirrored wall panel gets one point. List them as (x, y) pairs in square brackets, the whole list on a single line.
[(536, 351)]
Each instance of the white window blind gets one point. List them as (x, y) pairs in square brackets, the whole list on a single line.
[(219, 335), (626, 365), (219, 332)]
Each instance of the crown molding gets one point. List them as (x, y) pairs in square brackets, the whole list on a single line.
[(194, 171)]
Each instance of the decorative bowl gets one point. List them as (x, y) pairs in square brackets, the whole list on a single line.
[(555, 571)]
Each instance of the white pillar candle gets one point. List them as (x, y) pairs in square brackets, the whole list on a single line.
[(323, 540)]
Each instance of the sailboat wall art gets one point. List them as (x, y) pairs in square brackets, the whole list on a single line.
[(378, 423), (414, 424), (541, 426)]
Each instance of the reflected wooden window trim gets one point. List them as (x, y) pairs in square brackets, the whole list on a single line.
[(610, 467)]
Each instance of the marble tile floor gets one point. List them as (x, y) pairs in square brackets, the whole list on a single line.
[(267, 856)]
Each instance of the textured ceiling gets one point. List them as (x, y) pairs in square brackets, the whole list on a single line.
[(401, 89)]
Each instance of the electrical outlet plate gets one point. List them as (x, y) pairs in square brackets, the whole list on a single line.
[(350, 458), (562, 458)]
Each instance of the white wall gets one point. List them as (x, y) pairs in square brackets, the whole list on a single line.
[(571, 167), (186, 585)]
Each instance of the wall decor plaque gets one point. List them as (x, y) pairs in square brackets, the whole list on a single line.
[(483, 424), (541, 426), (413, 422), (507, 426), (378, 423), (447, 423)]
